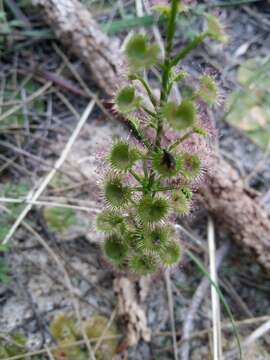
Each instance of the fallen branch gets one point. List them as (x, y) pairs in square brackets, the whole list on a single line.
[(224, 193), (235, 207)]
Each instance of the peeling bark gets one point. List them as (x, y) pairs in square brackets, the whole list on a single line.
[(223, 193), (226, 197), (131, 312)]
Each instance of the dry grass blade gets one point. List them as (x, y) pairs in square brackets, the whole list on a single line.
[(50, 204), (202, 333), (195, 239), (254, 336), (34, 195), (82, 83), (72, 290), (217, 340), (30, 98), (103, 335), (171, 310), (68, 105), (49, 353)]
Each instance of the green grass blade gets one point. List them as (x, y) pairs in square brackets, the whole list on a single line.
[(204, 271), (129, 23)]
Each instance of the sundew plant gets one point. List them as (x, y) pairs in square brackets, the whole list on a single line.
[(151, 180)]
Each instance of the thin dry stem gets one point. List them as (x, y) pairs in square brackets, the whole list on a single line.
[(171, 311), (254, 336), (217, 339), (197, 299)]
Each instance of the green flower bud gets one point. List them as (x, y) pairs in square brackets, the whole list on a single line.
[(191, 165), (166, 164), (152, 209), (139, 53), (180, 117), (109, 221), (122, 157), (171, 254), (180, 203), (136, 48), (133, 238), (143, 264), (126, 100), (215, 29), (116, 194), (208, 90), (115, 249), (155, 239)]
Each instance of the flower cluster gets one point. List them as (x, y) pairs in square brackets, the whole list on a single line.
[(147, 183)]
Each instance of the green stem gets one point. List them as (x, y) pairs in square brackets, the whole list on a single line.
[(151, 179), (139, 134), (149, 112), (136, 176), (145, 169), (187, 49), (167, 65), (178, 78), (180, 140), (167, 188), (136, 189), (147, 89), (169, 44), (159, 131)]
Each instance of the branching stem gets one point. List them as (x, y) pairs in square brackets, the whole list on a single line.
[(148, 90), (136, 176), (187, 49), (180, 140), (167, 65)]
